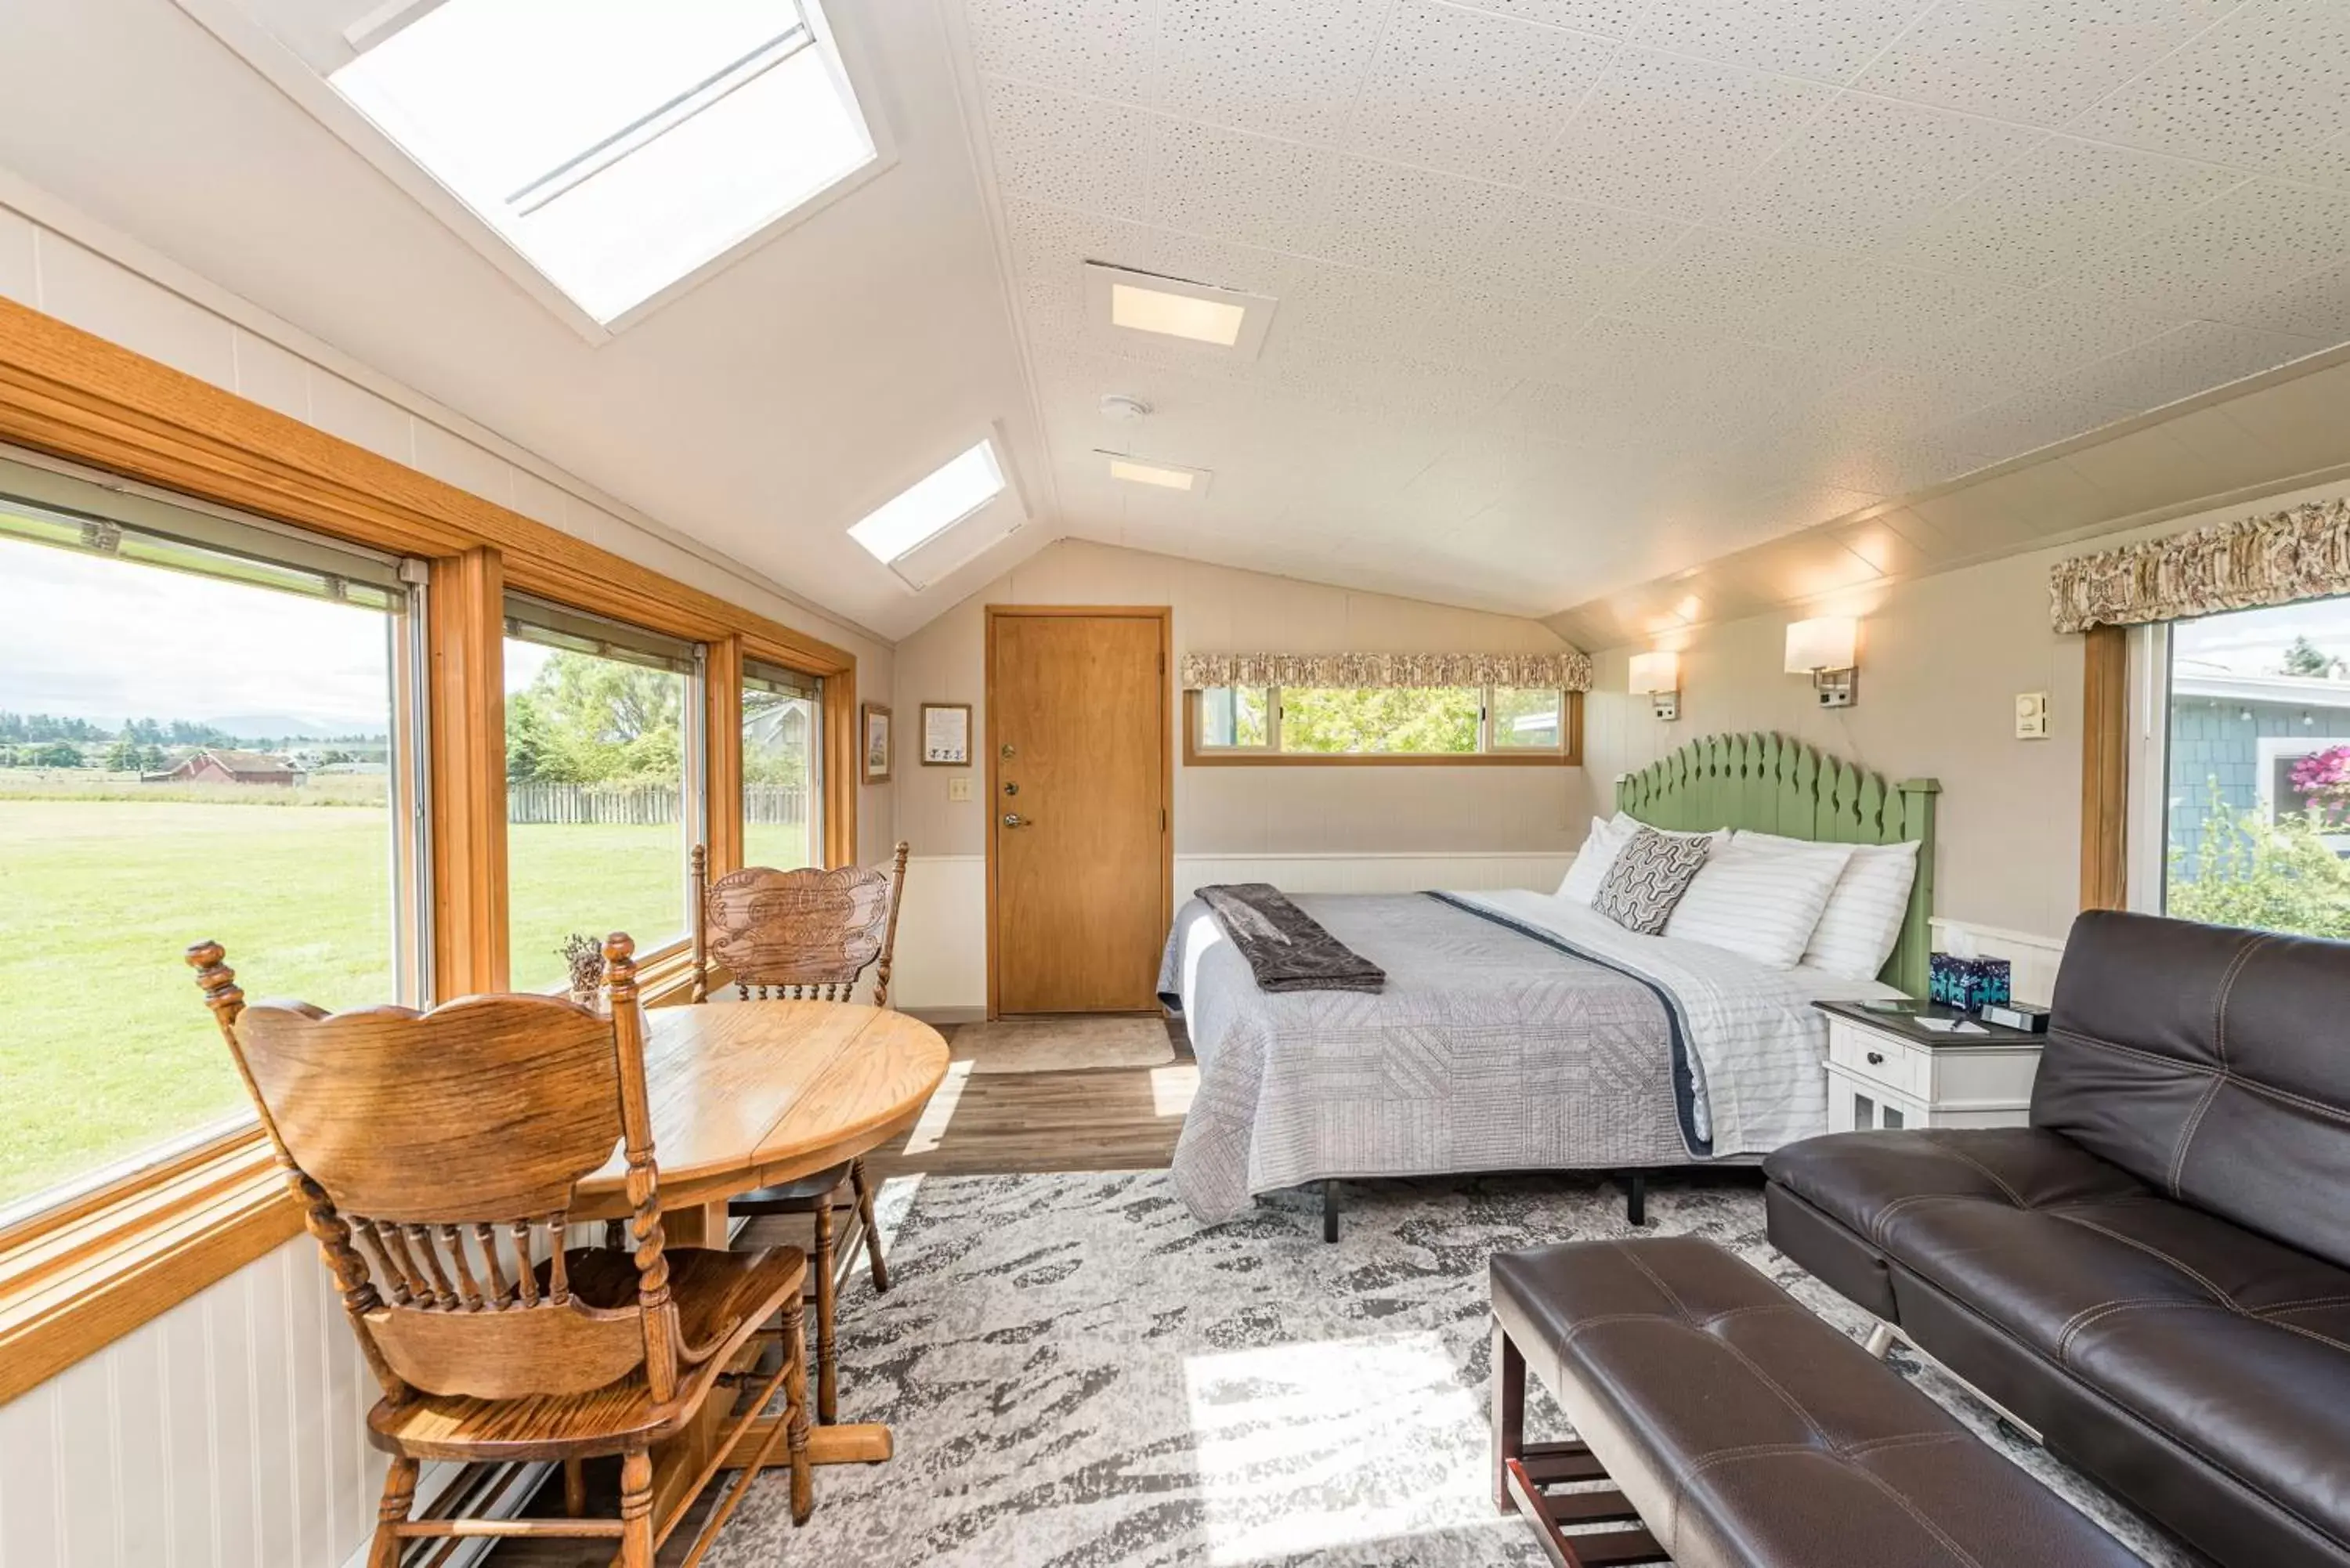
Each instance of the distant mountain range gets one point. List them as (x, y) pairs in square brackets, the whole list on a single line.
[(279, 727)]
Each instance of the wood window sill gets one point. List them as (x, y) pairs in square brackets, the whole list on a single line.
[(1218, 759), (76, 1279)]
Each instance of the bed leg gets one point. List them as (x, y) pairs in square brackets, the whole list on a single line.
[(1636, 1200), (1329, 1211)]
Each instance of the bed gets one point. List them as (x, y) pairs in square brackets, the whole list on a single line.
[(1519, 1032)]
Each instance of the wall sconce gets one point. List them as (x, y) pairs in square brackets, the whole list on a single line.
[(1826, 649), (1657, 676)]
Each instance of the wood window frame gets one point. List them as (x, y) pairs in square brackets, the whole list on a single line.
[(2104, 768), (77, 1276), (1196, 755)]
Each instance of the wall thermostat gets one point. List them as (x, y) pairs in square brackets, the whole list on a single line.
[(2032, 716)]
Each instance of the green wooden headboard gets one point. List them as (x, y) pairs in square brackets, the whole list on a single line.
[(1776, 783)]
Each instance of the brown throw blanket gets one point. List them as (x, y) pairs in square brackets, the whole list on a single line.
[(1285, 948)]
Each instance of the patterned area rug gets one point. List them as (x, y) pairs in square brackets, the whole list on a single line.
[(1082, 1376)]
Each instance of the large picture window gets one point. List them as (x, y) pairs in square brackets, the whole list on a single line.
[(204, 730), (2253, 719), (783, 767), (603, 784), (1399, 724)]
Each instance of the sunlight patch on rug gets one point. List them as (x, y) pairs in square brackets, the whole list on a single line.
[(1302, 1426)]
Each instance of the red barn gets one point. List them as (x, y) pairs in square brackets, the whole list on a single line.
[(221, 765)]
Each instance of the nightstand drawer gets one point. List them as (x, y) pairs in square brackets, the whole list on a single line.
[(1881, 1059)]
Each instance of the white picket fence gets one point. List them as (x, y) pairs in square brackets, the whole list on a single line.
[(644, 805)]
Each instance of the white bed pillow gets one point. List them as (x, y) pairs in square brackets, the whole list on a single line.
[(1862, 919), (1607, 840), (1759, 898)]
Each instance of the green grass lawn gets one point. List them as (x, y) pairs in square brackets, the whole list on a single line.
[(107, 1048)]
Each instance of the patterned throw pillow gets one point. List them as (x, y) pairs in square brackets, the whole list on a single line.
[(1649, 877)]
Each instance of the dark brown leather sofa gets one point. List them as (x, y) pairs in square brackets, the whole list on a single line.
[(2155, 1272)]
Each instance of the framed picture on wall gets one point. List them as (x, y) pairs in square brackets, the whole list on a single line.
[(946, 734), (873, 725)]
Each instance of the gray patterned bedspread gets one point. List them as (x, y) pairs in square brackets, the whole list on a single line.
[(1515, 1033)]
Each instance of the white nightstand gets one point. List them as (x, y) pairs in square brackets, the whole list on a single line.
[(1885, 1072)]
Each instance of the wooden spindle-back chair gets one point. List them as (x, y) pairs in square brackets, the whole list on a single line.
[(807, 935), (436, 1155)]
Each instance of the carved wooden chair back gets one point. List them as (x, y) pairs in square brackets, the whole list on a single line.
[(428, 1149), (803, 935)]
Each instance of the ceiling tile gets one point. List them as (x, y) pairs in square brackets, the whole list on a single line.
[(1839, 306), (1506, 333), (1390, 217), (1868, 167), (2059, 204), (1069, 150), (2316, 306), (1613, 18), (2027, 341), (1672, 135), (1235, 186), (2229, 253), (1827, 40), (1324, 299), (2194, 358), (1097, 46), (1724, 282), (1287, 68), (1471, 92), (2260, 89), (2041, 61), (1554, 245)]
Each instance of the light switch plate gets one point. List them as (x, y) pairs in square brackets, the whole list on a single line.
[(958, 789), (2032, 715)]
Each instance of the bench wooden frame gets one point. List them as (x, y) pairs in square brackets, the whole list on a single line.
[(1524, 1475)]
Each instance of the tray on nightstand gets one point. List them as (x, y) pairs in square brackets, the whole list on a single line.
[(1904, 1024)]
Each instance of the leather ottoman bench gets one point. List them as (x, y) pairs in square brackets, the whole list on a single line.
[(1738, 1431)]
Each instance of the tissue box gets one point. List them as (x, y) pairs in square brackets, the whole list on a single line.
[(1967, 983)]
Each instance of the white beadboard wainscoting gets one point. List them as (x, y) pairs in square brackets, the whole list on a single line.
[(941, 961), (2034, 958), (228, 1433)]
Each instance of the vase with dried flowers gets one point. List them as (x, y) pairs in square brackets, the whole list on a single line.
[(584, 955)]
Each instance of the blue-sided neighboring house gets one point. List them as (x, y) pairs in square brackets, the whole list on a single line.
[(2244, 733)]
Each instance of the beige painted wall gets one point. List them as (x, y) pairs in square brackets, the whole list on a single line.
[(1248, 811), (1942, 658)]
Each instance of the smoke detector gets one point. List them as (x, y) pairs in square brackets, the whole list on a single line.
[(1125, 408)]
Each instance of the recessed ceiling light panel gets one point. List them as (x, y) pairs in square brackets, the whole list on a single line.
[(1224, 319), (1172, 476)]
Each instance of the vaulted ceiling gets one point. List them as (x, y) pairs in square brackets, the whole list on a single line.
[(1573, 296)]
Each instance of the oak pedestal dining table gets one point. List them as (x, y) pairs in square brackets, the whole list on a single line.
[(745, 1095)]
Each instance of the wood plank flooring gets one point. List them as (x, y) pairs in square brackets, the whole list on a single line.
[(1106, 1118)]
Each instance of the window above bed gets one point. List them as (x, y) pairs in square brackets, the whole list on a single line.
[(1461, 725)]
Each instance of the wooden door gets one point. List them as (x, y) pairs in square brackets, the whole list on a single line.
[(1078, 776)]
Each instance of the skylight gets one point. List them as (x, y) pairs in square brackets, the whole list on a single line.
[(930, 506), (619, 145)]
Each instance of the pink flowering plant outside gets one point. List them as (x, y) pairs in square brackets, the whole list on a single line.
[(2323, 779)]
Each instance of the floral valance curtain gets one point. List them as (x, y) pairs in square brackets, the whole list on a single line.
[(2304, 554), (1568, 671)]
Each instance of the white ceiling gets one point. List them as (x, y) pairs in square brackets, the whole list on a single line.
[(1574, 295), (1577, 294), (762, 413)]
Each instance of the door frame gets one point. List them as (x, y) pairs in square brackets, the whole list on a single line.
[(1164, 616)]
